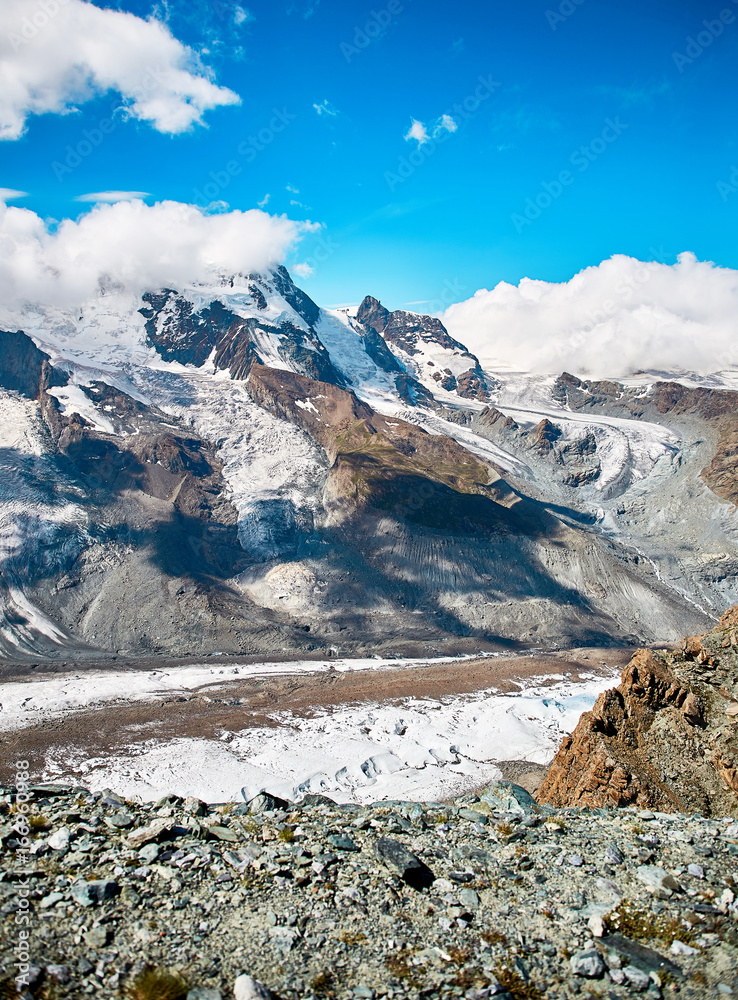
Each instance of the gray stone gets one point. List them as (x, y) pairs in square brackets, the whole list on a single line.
[(90, 893), (473, 816), (263, 802), (613, 855), (409, 867), (342, 843), (246, 988), (149, 853), (97, 938), (588, 964), (59, 840), (469, 899), (657, 878), (637, 978), (59, 972), (121, 820), (223, 833), (576, 860), (51, 900), (201, 993), (504, 796)]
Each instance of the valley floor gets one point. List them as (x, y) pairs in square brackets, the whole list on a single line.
[(357, 730)]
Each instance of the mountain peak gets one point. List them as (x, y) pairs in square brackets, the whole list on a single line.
[(426, 348)]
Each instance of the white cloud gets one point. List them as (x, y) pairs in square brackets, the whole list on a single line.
[(242, 16), (51, 62), (131, 246), (422, 133), (303, 270), (10, 194), (110, 197), (264, 201), (418, 132), (326, 108), (445, 122), (292, 189), (620, 317)]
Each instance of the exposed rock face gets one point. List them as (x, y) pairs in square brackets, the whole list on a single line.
[(179, 332), (299, 300), (719, 408), (575, 461), (545, 436), (416, 335), (390, 465), (26, 369), (665, 738)]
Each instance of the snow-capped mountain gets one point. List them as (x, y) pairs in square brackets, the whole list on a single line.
[(229, 468)]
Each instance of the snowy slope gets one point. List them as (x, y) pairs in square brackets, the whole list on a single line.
[(647, 493)]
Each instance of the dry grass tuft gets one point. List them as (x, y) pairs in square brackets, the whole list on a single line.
[(156, 984), (514, 984)]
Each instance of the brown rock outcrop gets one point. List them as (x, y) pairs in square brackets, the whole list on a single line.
[(391, 466), (665, 738)]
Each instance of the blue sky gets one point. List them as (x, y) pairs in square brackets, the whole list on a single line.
[(587, 122)]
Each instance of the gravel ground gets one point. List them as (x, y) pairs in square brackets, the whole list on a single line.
[(490, 895)]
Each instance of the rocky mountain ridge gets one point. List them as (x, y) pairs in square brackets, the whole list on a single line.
[(215, 468), (666, 738)]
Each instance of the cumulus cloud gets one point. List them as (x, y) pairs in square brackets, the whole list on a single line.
[(55, 58), (110, 197), (445, 122), (10, 194), (418, 132), (621, 317), (132, 247), (303, 270), (422, 133)]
